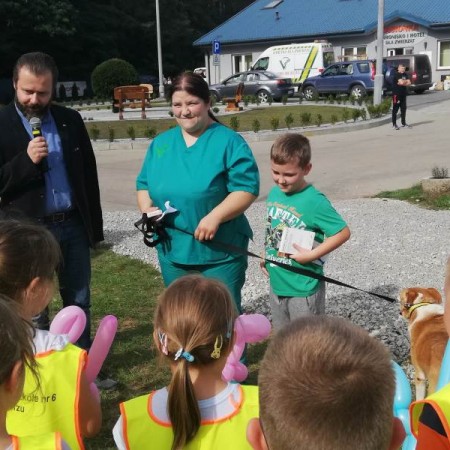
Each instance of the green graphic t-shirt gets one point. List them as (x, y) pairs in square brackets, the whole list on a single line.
[(310, 210)]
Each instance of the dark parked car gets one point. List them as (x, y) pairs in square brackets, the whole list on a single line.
[(350, 77), (260, 83), (418, 68)]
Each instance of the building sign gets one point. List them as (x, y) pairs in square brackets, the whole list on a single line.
[(403, 34)]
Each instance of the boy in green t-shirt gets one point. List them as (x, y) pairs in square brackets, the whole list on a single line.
[(294, 205)]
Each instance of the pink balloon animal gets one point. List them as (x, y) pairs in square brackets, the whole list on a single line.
[(71, 321), (248, 328)]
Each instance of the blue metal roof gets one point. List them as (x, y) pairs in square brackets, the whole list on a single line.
[(316, 18)]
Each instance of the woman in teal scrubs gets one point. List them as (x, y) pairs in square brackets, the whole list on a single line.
[(208, 173)]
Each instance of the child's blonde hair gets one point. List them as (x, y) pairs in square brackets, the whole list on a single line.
[(16, 341), (27, 251), (193, 323), (325, 383), (291, 147)]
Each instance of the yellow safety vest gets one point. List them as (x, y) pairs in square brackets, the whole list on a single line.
[(440, 401), (141, 429), (49, 441), (54, 405)]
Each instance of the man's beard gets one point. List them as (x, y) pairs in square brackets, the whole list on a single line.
[(30, 111)]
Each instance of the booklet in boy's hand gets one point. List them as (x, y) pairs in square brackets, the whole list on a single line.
[(290, 236)]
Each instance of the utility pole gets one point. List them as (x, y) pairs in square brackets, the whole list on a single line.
[(379, 77), (158, 40)]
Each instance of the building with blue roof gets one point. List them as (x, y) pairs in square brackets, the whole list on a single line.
[(410, 26)]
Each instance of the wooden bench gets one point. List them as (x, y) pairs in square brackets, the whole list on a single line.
[(132, 97), (233, 102)]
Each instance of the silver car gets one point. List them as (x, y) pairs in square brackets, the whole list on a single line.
[(263, 84)]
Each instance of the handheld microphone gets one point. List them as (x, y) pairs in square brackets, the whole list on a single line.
[(35, 123), (36, 131)]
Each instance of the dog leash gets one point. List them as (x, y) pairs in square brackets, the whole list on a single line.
[(149, 227)]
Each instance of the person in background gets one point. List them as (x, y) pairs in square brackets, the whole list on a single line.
[(49, 174), (400, 81), (209, 175), (193, 331), (325, 383)]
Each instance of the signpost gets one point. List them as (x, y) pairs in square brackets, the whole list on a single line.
[(216, 57)]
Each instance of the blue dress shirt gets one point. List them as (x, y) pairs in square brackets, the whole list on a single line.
[(58, 193)]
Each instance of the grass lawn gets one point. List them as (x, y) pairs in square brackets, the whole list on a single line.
[(264, 114), (416, 196), (128, 289)]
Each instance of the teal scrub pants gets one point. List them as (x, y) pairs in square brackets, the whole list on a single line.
[(231, 273)]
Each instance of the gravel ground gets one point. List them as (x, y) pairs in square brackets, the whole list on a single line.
[(393, 245)]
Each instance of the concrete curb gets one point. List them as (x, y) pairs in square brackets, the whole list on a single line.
[(251, 136), (261, 136)]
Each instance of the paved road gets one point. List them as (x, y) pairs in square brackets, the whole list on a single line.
[(346, 165)]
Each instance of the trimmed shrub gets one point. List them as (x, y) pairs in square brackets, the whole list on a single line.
[(305, 119), (334, 119), (94, 132), (289, 120), (284, 99), (216, 109), (150, 132), (319, 120), (131, 133), (256, 125), (363, 113), (110, 74), (111, 134), (62, 93), (356, 113), (275, 123), (234, 123)]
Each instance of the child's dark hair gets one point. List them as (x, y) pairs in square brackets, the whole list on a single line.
[(193, 84), (16, 341), (27, 251), (291, 147), (193, 323)]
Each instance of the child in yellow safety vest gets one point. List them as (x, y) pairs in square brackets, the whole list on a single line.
[(193, 331), (62, 400), (16, 354)]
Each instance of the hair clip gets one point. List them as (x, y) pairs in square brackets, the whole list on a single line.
[(217, 347), (182, 354), (163, 341), (229, 328)]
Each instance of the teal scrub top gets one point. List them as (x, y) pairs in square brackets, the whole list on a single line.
[(195, 180)]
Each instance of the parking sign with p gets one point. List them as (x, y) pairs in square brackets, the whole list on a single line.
[(216, 48)]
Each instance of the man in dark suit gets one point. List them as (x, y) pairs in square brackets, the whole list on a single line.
[(52, 178)]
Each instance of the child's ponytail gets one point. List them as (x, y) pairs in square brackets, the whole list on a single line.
[(182, 406)]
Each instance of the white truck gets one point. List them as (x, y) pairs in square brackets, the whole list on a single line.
[(296, 61)]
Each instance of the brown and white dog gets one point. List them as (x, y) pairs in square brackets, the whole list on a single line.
[(423, 309)]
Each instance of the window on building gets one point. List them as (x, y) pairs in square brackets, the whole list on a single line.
[(444, 54), (241, 63), (351, 53), (272, 4), (400, 51)]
